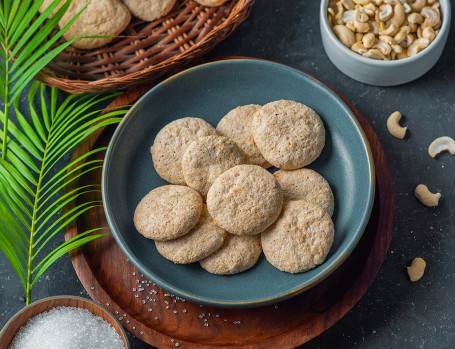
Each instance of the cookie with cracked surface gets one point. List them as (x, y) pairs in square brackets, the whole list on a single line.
[(237, 126), (300, 239), (245, 200), (171, 143), (100, 18), (288, 134), (306, 184), (237, 254), (168, 212), (149, 10), (207, 158), (203, 240)]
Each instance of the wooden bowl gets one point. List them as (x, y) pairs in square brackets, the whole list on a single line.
[(20, 319)]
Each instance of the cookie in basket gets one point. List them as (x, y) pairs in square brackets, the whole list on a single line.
[(245, 200), (237, 254), (149, 10), (204, 239), (288, 134), (168, 212), (211, 3), (306, 184), (207, 158), (237, 126), (100, 18), (300, 239), (171, 143)]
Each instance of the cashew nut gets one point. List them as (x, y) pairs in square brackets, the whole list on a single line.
[(441, 144), (377, 2), (359, 48), (370, 9), (398, 15), (374, 53), (386, 13), (360, 14), (361, 27), (418, 5), (417, 46), (431, 15), (394, 127), (407, 8), (408, 41), (415, 18), (426, 197), (348, 16), (391, 30), (345, 35), (387, 39), (373, 27), (358, 37), (401, 35), (361, 2), (368, 40), (429, 33), (348, 4), (416, 269), (383, 47)]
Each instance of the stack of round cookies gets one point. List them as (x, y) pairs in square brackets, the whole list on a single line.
[(247, 209)]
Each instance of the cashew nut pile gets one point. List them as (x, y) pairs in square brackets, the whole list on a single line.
[(385, 29)]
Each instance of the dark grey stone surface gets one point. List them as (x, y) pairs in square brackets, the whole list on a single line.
[(394, 312)]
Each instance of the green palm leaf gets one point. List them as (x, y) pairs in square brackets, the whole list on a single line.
[(31, 199)]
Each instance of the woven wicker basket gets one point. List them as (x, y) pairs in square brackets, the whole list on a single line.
[(146, 50)]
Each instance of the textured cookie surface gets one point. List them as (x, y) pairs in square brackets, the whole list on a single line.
[(149, 10), (170, 145), (245, 200), (300, 239), (204, 239), (211, 2), (207, 158), (237, 254), (101, 17), (306, 184), (288, 134), (236, 125), (168, 212)]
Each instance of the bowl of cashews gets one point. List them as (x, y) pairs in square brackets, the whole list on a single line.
[(384, 42)]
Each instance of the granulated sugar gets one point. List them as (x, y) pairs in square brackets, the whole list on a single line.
[(67, 328)]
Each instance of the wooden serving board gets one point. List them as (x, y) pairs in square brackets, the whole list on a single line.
[(163, 320)]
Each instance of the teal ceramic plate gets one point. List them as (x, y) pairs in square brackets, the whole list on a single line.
[(210, 91)]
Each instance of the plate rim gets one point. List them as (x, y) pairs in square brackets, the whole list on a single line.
[(235, 304)]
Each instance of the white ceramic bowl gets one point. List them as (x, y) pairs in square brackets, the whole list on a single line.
[(383, 73)]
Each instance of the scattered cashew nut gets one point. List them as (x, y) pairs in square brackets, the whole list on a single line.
[(426, 197), (416, 269), (441, 144), (394, 127)]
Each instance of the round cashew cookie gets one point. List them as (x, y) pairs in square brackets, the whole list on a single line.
[(149, 10), (288, 134), (100, 18), (170, 145), (204, 239), (237, 126), (245, 200), (300, 239), (237, 254), (211, 3), (306, 184), (205, 159), (168, 212)]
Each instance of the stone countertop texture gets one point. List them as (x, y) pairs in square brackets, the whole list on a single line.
[(394, 313)]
